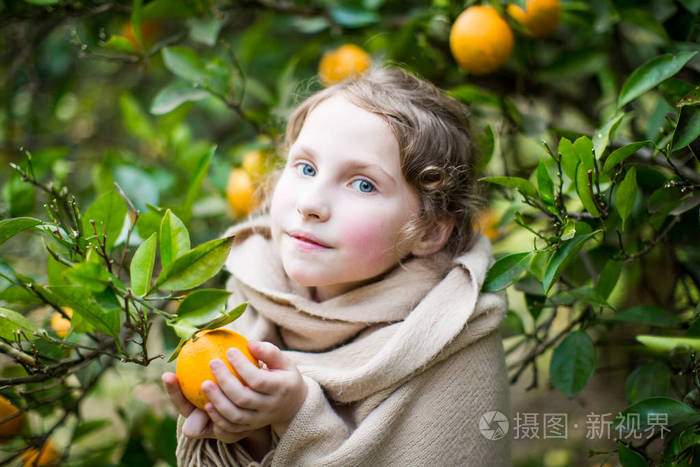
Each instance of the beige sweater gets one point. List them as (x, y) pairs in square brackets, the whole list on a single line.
[(399, 371)]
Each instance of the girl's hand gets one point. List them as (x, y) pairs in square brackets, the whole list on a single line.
[(197, 422), (272, 394)]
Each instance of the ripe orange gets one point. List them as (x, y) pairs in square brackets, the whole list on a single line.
[(193, 361), (10, 428), (240, 192), (255, 163), (481, 41), (60, 324), (487, 223), (342, 63), (540, 18), (48, 456)]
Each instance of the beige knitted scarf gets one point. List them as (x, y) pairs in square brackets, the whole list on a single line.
[(367, 355)]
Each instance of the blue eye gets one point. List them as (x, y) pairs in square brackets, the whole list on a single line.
[(364, 186), (311, 172)]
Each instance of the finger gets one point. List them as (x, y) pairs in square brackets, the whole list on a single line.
[(225, 407), (221, 422), (195, 425), (271, 355), (237, 392), (256, 378), (172, 388)]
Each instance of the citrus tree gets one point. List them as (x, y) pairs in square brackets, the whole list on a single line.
[(131, 131)]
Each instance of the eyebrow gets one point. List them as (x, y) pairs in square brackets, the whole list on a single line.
[(352, 164)]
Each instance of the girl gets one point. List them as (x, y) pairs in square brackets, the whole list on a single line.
[(362, 280)]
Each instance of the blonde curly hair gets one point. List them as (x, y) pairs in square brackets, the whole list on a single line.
[(436, 148)]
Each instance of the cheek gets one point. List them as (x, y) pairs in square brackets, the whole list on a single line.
[(372, 240)]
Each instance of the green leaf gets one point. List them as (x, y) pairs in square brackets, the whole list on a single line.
[(185, 63), (651, 315), (545, 185), (573, 363), (505, 271), (11, 227), (687, 128), (602, 136), (650, 74), (667, 344), (522, 185), (205, 29), (561, 258), (90, 426), (202, 306), (652, 411), (120, 44), (625, 194), (646, 21), (175, 94), (19, 195), (141, 267), (608, 278), (629, 457), (471, 94), (487, 147), (196, 266), (228, 317), (108, 211), (92, 276), (588, 294), (691, 98), (200, 174), (12, 322), (135, 120), (692, 6), (86, 306), (353, 18), (168, 9), (583, 188), (649, 380), (174, 238), (620, 154), (569, 158), (42, 2), (583, 147)]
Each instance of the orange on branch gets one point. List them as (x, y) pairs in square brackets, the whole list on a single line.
[(60, 324), (480, 40), (240, 192), (12, 427), (540, 18), (487, 223), (49, 455), (193, 361), (255, 163), (342, 63)]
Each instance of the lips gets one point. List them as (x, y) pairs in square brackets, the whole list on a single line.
[(308, 238)]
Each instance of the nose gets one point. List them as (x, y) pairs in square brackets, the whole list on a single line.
[(311, 204)]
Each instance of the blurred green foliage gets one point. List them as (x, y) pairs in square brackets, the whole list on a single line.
[(588, 140)]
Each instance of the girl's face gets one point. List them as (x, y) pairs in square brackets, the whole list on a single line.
[(343, 187)]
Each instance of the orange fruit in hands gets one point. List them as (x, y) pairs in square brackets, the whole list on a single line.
[(342, 63), (60, 324), (240, 192), (193, 361), (48, 456), (480, 40), (10, 428), (540, 18)]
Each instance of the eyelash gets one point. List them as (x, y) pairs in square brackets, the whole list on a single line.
[(374, 188)]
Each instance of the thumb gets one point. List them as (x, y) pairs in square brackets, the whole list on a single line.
[(270, 354)]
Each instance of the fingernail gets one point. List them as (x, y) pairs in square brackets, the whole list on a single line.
[(215, 364)]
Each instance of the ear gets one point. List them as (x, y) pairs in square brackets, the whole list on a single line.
[(435, 238)]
